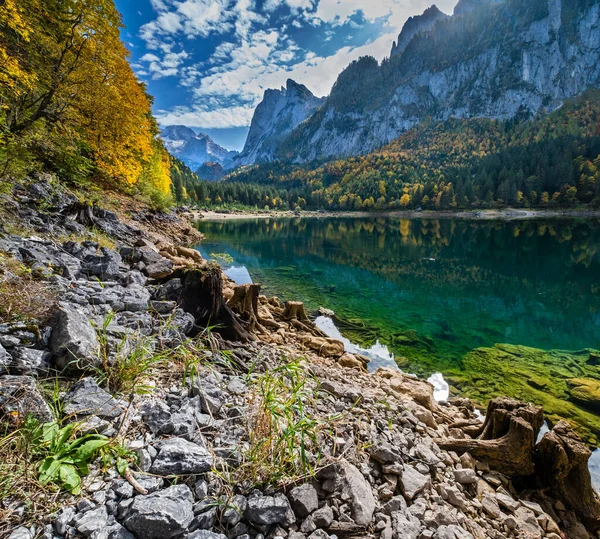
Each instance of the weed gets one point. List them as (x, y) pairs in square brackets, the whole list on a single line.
[(133, 360), (283, 433), (21, 296), (92, 234), (221, 258)]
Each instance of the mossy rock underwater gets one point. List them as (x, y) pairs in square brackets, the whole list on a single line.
[(566, 384)]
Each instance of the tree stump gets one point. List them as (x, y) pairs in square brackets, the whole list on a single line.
[(507, 437), (202, 296), (245, 303), (561, 466), (295, 314)]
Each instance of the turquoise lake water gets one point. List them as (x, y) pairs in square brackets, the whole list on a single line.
[(459, 284)]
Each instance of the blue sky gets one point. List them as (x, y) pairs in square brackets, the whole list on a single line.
[(208, 62)]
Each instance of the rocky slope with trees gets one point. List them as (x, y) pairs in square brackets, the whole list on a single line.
[(143, 394)]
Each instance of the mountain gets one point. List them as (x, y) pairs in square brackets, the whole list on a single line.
[(550, 161), (195, 149), (276, 115), (493, 59), (417, 25), (210, 171)]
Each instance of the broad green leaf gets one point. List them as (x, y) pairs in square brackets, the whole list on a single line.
[(49, 431), (49, 469), (86, 451), (64, 434), (70, 479), (122, 465)]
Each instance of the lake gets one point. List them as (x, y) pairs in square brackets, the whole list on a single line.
[(493, 305)]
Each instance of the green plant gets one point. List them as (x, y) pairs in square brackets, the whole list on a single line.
[(133, 359), (65, 457), (283, 434)]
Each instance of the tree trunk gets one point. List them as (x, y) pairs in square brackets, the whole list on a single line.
[(245, 303), (507, 437), (295, 314), (202, 296), (561, 465)]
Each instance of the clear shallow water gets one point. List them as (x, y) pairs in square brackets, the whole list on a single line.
[(458, 284)]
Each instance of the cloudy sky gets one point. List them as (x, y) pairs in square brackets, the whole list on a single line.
[(208, 62)]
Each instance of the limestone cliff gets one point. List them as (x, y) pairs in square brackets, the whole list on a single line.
[(491, 59)]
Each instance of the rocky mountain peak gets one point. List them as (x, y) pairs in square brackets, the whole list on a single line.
[(194, 149), (466, 6), (417, 25), (276, 115)]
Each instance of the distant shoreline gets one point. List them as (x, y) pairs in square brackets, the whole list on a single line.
[(508, 214)]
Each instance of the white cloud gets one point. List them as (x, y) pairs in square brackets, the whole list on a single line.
[(158, 68), (214, 118)]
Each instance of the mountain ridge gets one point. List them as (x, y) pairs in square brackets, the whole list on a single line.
[(195, 149), (497, 59)]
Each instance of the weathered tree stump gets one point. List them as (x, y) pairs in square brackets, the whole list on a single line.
[(245, 303), (507, 437), (561, 466), (295, 314), (202, 296)]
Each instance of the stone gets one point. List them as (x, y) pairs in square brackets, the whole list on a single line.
[(20, 397), (384, 453), (156, 265), (105, 266), (490, 506), (354, 489), (115, 531), (85, 397), (155, 413), (319, 534), (177, 456), (405, 526), (413, 482), (267, 510), (5, 360), (204, 534), (465, 476), (74, 341), (452, 532), (304, 500), (29, 361), (323, 517), (20, 533), (507, 501), (163, 514), (234, 511), (91, 521)]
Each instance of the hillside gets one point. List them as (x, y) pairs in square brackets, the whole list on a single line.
[(550, 161)]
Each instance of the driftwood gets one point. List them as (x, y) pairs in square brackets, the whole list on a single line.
[(507, 438), (202, 296), (561, 466), (245, 303)]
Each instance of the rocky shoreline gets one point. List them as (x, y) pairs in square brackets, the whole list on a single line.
[(237, 417)]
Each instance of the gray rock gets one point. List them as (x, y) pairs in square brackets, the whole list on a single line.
[(155, 413), (204, 520), (267, 510), (354, 488), (115, 531), (28, 361), (85, 397), (507, 501), (20, 533), (91, 521), (161, 515), (304, 500), (204, 534), (490, 506), (106, 266), (177, 456), (405, 526), (5, 360), (74, 341), (323, 517), (452, 532), (413, 482), (234, 511), (319, 534), (63, 519), (156, 266), (465, 476), (385, 454), (20, 395)]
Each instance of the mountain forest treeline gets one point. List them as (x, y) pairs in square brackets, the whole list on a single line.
[(550, 161), (70, 103)]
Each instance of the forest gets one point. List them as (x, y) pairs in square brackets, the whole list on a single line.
[(70, 103), (552, 161)]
